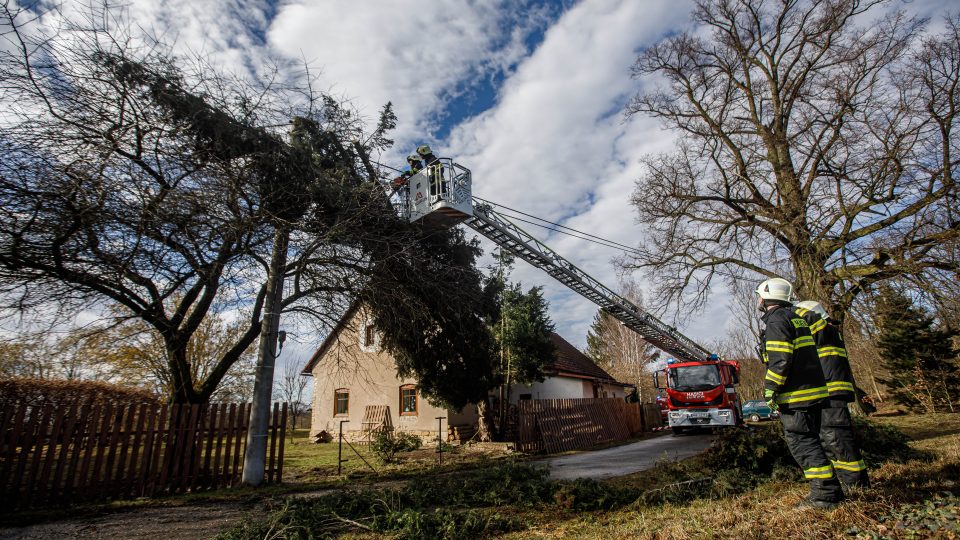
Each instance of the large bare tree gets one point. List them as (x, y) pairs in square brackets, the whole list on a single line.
[(622, 352), (816, 142)]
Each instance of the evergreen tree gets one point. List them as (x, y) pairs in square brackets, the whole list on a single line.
[(596, 336), (525, 334), (520, 325), (918, 353)]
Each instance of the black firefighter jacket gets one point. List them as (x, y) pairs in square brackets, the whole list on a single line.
[(793, 365), (833, 356)]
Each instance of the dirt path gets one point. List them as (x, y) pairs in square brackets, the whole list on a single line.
[(626, 459), (159, 522)]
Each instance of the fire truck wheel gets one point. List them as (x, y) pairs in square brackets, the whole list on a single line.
[(754, 417)]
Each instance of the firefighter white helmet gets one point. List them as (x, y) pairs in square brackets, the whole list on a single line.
[(413, 157), (775, 289), (815, 307), (424, 150)]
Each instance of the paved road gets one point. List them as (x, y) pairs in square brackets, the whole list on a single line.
[(626, 459)]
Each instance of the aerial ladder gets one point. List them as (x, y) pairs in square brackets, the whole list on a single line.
[(441, 194), (700, 387)]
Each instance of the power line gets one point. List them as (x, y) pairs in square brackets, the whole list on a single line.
[(610, 245), (607, 240)]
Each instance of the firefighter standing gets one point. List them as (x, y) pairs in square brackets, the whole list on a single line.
[(795, 385), (836, 429), (434, 169)]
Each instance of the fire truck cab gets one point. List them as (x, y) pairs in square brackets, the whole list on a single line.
[(700, 394)]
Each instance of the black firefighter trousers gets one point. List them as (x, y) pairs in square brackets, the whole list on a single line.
[(801, 429), (836, 432)]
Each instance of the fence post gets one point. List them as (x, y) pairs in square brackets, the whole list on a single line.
[(340, 459), (440, 439)]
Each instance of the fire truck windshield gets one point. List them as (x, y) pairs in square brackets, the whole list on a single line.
[(693, 378)]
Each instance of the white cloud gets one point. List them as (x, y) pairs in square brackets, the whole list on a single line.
[(416, 53)]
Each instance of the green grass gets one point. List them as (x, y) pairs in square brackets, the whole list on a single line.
[(306, 461)]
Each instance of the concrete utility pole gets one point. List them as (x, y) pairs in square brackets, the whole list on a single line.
[(255, 456)]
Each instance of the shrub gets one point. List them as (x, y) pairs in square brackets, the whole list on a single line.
[(64, 393), (408, 512), (443, 524), (756, 451), (386, 445), (586, 494), (761, 452)]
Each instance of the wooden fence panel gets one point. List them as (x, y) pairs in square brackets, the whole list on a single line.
[(51, 455), (559, 425)]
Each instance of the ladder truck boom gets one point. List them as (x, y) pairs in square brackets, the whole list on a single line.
[(501, 231), (441, 195)]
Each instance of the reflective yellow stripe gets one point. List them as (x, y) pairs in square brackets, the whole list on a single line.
[(801, 311), (835, 386), (779, 379), (803, 341), (849, 465), (779, 346), (832, 351), (809, 394), (818, 472), (818, 326)]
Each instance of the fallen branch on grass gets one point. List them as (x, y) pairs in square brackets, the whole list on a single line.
[(669, 491)]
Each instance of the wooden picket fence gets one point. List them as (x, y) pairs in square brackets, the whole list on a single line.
[(52, 455), (559, 425)]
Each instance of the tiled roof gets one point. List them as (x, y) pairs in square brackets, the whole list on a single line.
[(571, 361)]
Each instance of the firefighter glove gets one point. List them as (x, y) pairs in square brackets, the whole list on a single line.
[(771, 399)]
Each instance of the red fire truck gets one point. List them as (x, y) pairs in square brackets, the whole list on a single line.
[(700, 394)]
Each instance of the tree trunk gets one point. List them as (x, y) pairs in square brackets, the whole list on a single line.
[(182, 391), (505, 419), (484, 422)]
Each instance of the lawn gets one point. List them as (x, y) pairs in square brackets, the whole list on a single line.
[(915, 494), (313, 464)]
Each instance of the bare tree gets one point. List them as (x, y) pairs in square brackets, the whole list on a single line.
[(622, 352), (810, 148), (135, 178), (291, 388)]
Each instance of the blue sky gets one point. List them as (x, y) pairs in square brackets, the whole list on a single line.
[(527, 94)]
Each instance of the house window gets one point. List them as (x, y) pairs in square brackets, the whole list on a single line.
[(408, 400), (341, 402), (526, 397), (369, 335)]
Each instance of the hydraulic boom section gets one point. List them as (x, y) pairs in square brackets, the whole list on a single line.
[(440, 195), (507, 235)]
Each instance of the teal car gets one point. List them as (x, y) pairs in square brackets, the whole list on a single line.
[(757, 410)]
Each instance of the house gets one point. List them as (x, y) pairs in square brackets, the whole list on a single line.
[(355, 381), (571, 375)]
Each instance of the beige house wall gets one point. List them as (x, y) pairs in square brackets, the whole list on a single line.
[(369, 374)]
